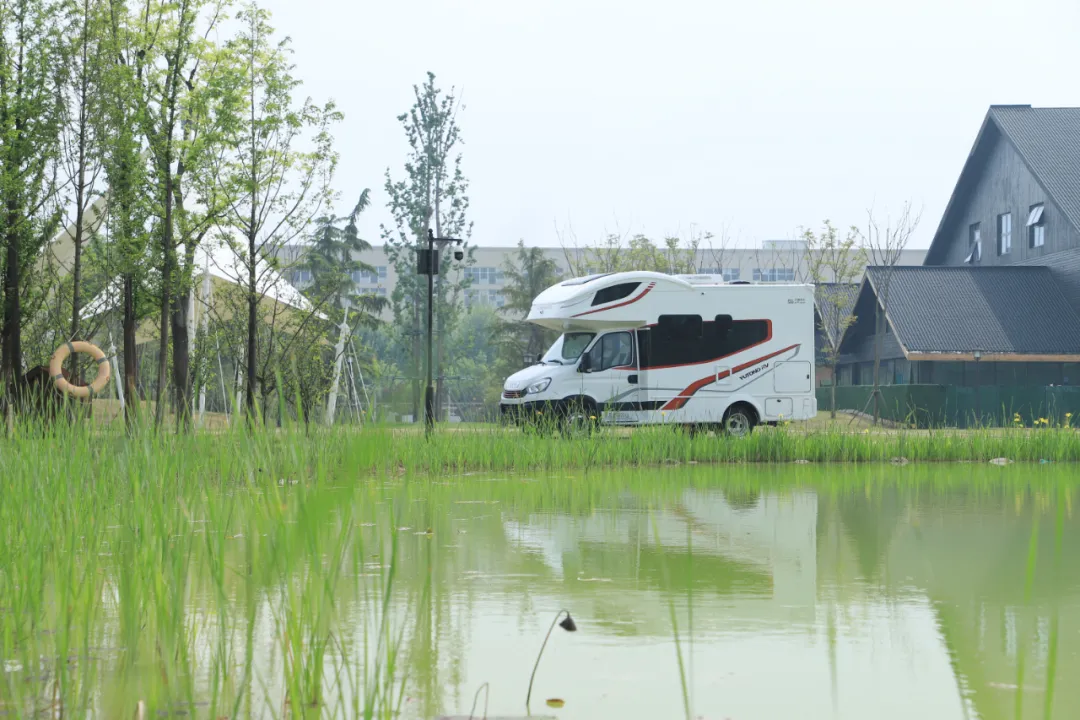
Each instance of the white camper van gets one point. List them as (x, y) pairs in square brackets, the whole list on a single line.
[(640, 348)]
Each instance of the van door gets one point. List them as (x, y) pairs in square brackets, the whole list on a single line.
[(610, 376)]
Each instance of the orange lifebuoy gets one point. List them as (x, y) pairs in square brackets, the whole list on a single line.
[(79, 391)]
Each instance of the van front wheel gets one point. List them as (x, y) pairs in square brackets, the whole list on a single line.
[(739, 421), (579, 419)]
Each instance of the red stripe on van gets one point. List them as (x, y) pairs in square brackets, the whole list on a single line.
[(681, 399), (622, 304)]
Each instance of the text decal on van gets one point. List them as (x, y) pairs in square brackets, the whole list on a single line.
[(753, 372), (681, 399)]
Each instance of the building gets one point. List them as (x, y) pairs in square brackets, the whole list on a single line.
[(775, 261), (992, 318)]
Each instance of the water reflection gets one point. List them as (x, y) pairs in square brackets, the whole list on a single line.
[(892, 597), (742, 592)]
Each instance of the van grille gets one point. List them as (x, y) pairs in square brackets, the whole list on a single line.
[(513, 394)]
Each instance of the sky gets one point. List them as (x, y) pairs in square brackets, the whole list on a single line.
[(748, 120)]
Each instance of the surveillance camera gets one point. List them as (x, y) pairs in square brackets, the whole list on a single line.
[(459, 254)]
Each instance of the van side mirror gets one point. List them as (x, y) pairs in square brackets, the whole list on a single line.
[(586, 363)]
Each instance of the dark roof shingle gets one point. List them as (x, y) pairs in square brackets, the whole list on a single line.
[(1049, 141), (996, 310)]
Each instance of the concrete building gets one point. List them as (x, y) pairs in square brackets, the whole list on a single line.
[(777, 261)]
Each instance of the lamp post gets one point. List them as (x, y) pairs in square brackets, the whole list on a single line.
[(427, 263)]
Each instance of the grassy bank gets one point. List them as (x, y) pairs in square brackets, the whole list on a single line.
[(390, 451)]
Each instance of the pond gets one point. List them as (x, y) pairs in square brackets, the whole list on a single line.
[(936, 591)]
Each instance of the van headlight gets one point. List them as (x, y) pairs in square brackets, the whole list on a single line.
[(538, 387)]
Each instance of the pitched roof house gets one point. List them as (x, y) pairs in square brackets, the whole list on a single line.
[(1000, 287)]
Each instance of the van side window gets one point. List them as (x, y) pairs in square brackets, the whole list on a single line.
[(680, 327), (665, 346), (731, 337), (615, 292), (616, 350)]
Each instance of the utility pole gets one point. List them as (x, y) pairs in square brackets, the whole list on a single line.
[(427, 263)]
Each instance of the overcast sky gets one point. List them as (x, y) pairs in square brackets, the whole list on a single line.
[(663, 117)]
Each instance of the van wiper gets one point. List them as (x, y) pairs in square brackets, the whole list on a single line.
[(557, 362)]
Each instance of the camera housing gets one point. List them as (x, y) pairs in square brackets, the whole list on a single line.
[(459, 255)]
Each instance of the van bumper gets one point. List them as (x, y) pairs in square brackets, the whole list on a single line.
[(523, 412)]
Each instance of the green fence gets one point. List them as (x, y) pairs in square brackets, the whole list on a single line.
[(952, 406)]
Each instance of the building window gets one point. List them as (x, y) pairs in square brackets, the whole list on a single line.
[(482, 275), (378, 292), (974, 244), (773, 275), (299, 277), (363, 277), (1036, 226), (474, 298), (1005, 233)]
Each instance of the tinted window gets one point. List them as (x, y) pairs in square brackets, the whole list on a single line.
[(679, 327), (614, 350), (681, 343), (613, 293)]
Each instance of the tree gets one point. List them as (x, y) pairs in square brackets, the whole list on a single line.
[(334, 267), (272, 188), (885, 245), (31, 103), (117, 130), (833, 265), (82, 154), (617, 253), (175, 63), (334, 271), (432, 191), (528, 273)]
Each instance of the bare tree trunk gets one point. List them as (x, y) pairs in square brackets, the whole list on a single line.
[(80, 192), (166, 302), (416, 357), (181, 366), (440, 388), (11, 342), (252, 319), (130, 358), (76, 271), (832, 409), (878, 331)]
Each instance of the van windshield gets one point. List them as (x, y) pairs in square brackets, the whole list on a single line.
[(568, 348)]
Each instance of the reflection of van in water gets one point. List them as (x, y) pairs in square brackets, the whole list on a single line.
[(640, 348)]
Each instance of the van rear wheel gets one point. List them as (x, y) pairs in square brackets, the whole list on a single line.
[(739, 421)]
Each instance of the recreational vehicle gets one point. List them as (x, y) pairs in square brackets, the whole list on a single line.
[(641, 348)]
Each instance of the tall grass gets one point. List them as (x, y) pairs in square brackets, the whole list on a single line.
[(205, 575), (261, 574)]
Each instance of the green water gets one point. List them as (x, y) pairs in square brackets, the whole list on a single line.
[(837, 593), (928, 591)]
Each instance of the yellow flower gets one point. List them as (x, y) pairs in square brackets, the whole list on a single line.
[(1068, 415), (592, 417)]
